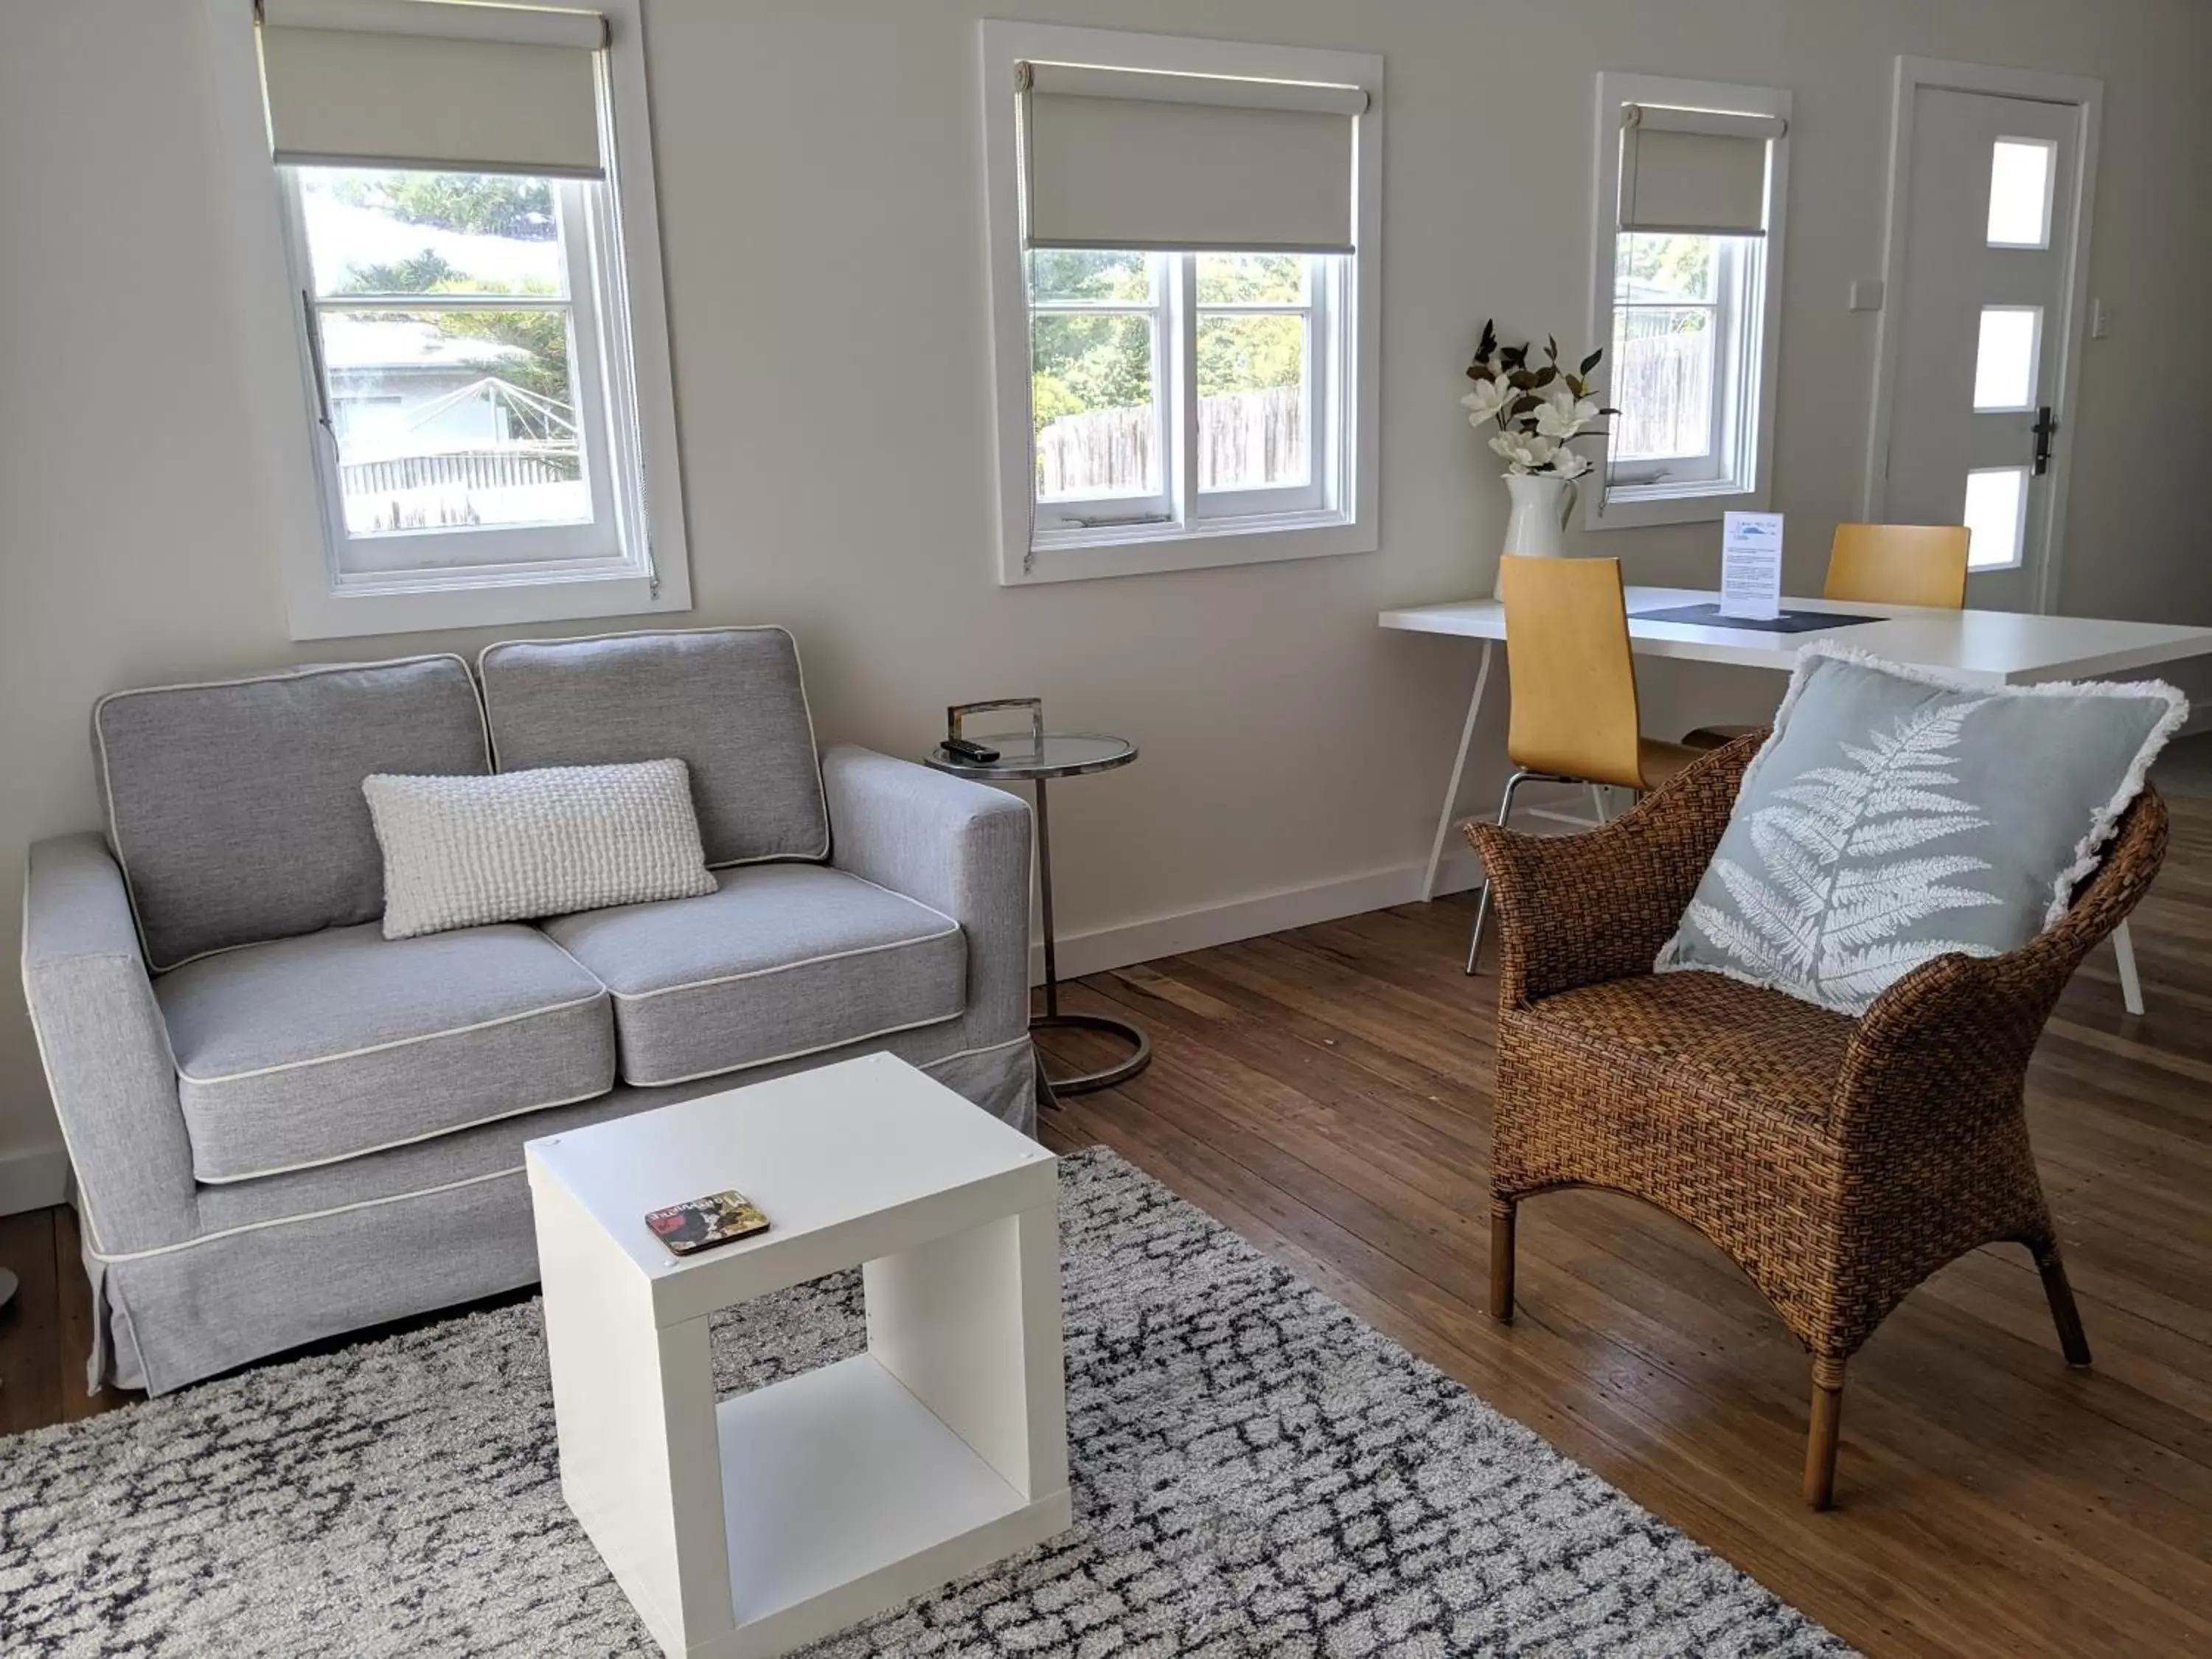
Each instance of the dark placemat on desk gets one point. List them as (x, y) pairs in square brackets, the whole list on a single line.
[(1790, 621)]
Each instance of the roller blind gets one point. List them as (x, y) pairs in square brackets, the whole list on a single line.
[(1697, 171), (1136, 159), (462, 88)]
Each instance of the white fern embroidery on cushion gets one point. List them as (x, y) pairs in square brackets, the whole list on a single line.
[(1818, 917)]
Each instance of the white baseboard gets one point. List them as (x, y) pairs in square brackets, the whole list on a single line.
[(36, 1178), (1248, 918)]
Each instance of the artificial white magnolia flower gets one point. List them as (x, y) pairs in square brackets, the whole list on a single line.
[(1562, 414), (1569, 463), (1483, 402), (1526, 451)]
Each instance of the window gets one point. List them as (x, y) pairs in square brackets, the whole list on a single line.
[(1119, 340), (468, 424), (1688, 232), (1680, 303), (479, 328), (1180, 244)]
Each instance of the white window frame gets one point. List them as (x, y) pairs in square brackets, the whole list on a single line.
[(1735, 275), (1738, 474), (607, 427), (643, 565), (1335, 512), (1174, 314)]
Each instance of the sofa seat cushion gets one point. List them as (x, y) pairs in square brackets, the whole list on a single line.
[(310, 1050), (1699, 1037), (785, 959)]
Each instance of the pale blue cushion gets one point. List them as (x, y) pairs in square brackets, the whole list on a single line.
[(1894, 816)]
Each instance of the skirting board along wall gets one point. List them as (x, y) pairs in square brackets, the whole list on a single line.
[(34, 1179), (1102, 949), (1155, 937)]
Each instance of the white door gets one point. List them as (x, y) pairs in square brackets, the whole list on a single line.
[(1983, 313)]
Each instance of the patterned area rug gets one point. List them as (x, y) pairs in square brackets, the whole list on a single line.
[(1257, 1472)]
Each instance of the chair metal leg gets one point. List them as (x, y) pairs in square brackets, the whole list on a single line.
[(1828, 1424), (1482, 904), (1601, 800), (1502, 1211), (2123, 948), (2072, 1341), (1481, 914)]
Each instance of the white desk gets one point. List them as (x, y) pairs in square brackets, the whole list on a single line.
[(1989, 647)]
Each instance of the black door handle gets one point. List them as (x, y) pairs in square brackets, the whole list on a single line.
[(2044, 425)]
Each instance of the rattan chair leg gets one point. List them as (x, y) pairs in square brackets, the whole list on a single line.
[(2064, 1314), (1482, 904), (1501, 1260), (1828, 1422)]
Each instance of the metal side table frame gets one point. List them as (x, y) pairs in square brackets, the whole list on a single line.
[(1036, 756)]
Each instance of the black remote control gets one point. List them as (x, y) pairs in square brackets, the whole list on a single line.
[(963, 748)]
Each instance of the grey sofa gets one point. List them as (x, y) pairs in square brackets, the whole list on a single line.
[(284, 1127)]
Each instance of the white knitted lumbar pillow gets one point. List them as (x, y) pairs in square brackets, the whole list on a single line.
[(460, 851)]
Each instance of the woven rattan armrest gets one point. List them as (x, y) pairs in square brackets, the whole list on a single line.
[(1959, 1031), (1576, 910)]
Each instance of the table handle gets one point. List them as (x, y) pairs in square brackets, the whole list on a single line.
[(956, 715)]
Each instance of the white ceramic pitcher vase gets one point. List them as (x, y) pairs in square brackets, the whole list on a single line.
[(1542, 504)]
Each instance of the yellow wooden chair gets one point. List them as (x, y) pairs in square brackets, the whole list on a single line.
[(1573, 682), (1922, 564)]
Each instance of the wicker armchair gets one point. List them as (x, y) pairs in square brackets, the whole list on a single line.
[(1838, 1162)]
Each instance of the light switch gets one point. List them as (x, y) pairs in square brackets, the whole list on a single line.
[(1866, 295), (2101, 320)]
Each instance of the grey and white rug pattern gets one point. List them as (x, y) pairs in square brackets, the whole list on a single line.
[(1256, 1472)]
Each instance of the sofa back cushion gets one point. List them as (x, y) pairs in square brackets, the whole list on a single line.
[(235, 808), (727, 701)]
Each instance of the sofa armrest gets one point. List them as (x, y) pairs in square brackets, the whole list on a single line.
[(106, 1048), (958, 846)]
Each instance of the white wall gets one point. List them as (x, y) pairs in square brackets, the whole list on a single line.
[(822, 227)]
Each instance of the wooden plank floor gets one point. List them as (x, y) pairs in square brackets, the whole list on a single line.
[(1325, 1092), (46, 1331)]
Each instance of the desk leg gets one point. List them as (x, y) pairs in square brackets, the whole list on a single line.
[(2124, 947), (1459, 769)]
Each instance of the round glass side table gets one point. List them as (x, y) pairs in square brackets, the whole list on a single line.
[(1037, 757)]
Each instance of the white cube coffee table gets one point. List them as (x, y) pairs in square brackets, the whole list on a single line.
[(756, 1526)]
